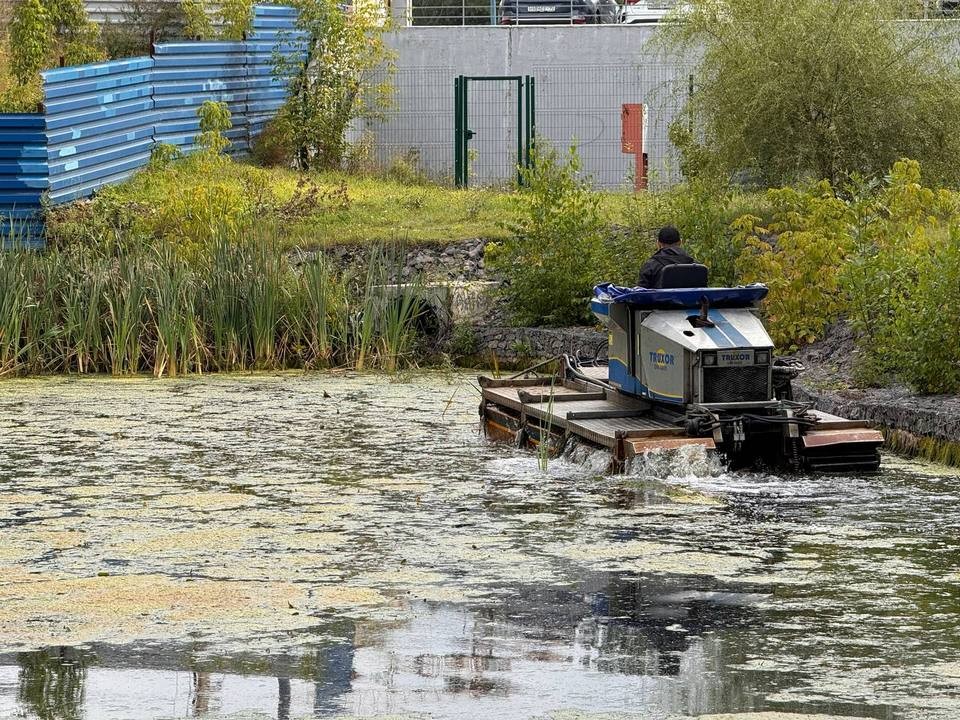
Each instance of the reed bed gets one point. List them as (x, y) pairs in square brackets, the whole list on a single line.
[(224, 306)]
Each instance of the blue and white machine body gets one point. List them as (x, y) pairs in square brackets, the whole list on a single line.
[(691, 346)]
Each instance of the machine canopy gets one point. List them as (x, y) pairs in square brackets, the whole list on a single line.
[(679, 298)]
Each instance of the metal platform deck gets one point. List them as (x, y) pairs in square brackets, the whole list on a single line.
[(627, 426), (603, 418)]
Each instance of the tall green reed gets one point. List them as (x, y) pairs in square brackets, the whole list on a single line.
[(232, 303)]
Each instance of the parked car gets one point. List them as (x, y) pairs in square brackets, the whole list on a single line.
[(644, 12), (558, 12)]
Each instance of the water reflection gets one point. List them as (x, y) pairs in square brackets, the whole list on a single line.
[(651, 644), (51, 683)]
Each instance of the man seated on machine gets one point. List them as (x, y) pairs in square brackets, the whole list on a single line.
[(668, 253)]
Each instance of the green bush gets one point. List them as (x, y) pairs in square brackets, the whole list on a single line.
[(344, 76), (138, 20), (236, 17), (703, 212), (898, 280), (883, 254), (812, 91), (31, 40), (925, 351), (196, 22), (273, 146), (42, 34), (799, 256), (214, 121), (556, 251)]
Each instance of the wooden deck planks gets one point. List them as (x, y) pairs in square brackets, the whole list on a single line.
[(604, 431), (510, 396), (582, 413)]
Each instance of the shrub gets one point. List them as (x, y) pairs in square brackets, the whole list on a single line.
[(31, 40), (273, 146), (926, 336), (904, 247), (21, 98), (344, 77), (196, 22), (85, 46), (556, 252), (236, 17), (811, 92), (214, 121), (799, 256), (42, 32), (139, 20), (886, 255)]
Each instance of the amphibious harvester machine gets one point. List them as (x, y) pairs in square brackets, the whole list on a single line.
[(685, 366)]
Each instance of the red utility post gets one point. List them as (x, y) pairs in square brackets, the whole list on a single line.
[(631, 140)]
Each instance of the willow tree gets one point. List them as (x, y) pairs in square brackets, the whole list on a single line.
[(816, 89), (343, 76)]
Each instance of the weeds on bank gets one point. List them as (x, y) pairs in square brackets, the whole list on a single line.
[(181, 200), (229, 304)]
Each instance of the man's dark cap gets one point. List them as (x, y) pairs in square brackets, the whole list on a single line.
[(668, 235)]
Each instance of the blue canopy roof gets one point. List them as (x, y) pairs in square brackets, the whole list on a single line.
[(680, 298)]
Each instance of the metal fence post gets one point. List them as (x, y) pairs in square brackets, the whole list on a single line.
[(520, 132), (460, 132), (457, 130), (530, 124)]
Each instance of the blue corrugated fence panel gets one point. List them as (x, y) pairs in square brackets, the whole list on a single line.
[(112, 68), (101, 121), (21, 122), (25, 152), (56, 152), (82, 184), (102, 84), (89, 119), (24, 176), (143, 90), (199, 48), (106, 155)]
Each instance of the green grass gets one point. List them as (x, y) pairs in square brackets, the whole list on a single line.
[(383, 209), (183, 199)]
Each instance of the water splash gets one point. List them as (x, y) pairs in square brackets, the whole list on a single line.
[(676, 465)]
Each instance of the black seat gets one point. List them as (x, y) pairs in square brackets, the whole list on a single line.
[(692, 275)]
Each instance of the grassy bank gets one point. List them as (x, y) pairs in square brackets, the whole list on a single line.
[(181, 200)]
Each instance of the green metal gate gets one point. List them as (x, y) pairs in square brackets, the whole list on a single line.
[(525, 121)]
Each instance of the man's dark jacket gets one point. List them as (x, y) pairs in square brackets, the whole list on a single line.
[(669, 255)]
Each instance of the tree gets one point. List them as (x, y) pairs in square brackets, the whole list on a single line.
[(195, 19), (236, 17), (818, 89), (30, 40), (343, 76), (42, 31)]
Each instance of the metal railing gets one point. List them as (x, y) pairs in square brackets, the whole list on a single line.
[(532, 12)]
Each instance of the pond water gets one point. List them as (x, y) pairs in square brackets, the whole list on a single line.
[(287, 546)]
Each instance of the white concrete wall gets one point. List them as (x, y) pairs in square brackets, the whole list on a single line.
[(583, 76)]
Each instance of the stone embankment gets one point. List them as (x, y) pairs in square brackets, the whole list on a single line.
[(461, 261)]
